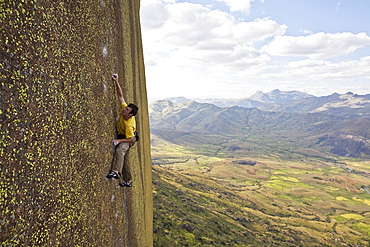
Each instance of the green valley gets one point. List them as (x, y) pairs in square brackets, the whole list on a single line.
[(235, 176), (253, 198)]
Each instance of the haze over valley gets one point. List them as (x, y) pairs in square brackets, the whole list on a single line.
[(277, 168)]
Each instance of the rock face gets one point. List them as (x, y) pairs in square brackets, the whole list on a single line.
[(58, 108)]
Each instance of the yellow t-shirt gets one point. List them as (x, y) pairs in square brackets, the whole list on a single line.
[(124, 127)]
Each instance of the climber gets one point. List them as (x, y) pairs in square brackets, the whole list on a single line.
[(126, 137)]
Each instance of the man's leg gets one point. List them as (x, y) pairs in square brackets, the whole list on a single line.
[(126, 169), (119, 156)]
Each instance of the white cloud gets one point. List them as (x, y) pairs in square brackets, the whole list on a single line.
[(316, 70), (336, 7), (195, 36), (153, 14), (193, 50), (185, 24), (318, 45), (238, 5), (306, 31)]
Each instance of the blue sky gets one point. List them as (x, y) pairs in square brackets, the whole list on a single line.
[(234, 48)]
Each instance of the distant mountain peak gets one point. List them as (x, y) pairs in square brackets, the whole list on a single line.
[(262, 97), (277, 96), (178, 100)]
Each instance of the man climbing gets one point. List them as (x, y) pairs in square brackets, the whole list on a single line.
[(126, 129)]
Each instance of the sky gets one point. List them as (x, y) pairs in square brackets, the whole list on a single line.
[(234, 48)]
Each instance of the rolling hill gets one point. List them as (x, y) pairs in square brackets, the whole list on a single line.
[(336, 124), (236, 176)]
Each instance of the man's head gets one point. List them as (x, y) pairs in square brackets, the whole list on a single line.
[(130, 110), (134, 109)]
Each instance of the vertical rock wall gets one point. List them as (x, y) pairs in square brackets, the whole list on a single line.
[(58, 109)]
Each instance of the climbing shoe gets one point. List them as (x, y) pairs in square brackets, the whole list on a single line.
[(126, 184), (113, 174)]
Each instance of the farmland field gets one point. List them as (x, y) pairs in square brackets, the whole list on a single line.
[(253, 192)]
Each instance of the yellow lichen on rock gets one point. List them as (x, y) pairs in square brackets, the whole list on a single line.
[(58, 112)]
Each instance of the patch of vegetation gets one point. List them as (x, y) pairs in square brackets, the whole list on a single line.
[(285, 199), (58, 110)]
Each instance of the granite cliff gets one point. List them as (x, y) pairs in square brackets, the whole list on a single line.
[(58, 112)]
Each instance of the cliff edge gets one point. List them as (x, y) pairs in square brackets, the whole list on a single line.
[(58, 109)]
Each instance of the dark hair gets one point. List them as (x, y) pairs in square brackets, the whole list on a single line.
[(134, 109)]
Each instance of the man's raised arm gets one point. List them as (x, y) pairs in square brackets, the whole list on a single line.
[(119, 90)]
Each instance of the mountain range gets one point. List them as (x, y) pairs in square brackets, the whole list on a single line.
[(274, 169), (338, 124)]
